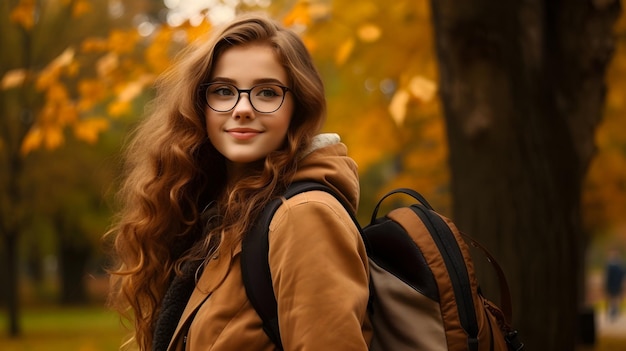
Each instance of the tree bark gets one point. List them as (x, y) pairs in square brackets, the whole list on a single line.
[(73, 253), (10, 241), (72, 263), (522, 88), (9, 230)]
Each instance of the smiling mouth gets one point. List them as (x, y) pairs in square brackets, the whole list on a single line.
[(243, 134)]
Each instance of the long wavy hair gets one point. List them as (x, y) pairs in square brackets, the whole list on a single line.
[(171, 171)]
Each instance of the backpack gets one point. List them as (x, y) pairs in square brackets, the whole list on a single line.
[(423, 291)]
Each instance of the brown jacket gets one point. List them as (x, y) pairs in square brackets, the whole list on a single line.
[(319, 272)]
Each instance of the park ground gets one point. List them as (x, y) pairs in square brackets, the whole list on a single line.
[(94, 328)]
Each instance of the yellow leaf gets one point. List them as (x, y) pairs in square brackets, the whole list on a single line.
[(24, 14), (369, 33), (67, 113), (46, 78), (422, 88), (58, 109), (134, 88), (345, 49), (65, 58), (94, 45), (369, 129), (13, 78), (310, 43), (398, 106), (299, 15), (80, 8), (195, 32), (73, 69), (90, 91), (615, 99), (89, 129), (118, 108), (32, 140), (107, 64), (53, 137), (157, 54), (50, 74), (123, 42), (318, 9), (57, 93)]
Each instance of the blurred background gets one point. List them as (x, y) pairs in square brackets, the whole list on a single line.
[(510, 117)]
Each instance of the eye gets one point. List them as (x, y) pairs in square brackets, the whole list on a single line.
[(268, 91), (222, 90)]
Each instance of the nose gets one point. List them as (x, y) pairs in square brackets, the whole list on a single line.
[(243, 108)]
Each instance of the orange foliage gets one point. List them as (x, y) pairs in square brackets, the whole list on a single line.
[(382, 91), (24, 14), (378, 63), (91, 91), (81, 7), (304, 13), (58, 109), (88, 130), (157, 54), (122, 41), (115, 75), (604, 194)]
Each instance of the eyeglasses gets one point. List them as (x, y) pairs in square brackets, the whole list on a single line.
[(264, 98)]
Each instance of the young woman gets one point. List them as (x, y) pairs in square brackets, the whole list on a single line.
[(234, 122)]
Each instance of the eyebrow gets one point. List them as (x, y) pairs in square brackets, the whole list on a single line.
[(254, 82)]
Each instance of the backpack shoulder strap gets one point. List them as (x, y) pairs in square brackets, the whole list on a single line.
[(255, 267)]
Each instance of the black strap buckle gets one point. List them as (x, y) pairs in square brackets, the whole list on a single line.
[(514, 343)]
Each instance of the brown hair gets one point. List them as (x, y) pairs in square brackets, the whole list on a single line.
[(172, 171)]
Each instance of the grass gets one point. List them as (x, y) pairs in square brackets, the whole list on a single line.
[(67, 329)]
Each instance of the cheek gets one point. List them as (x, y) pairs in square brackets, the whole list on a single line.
[(283, 124), (288, 114)]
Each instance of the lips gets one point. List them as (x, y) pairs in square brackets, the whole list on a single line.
[(243, 133)]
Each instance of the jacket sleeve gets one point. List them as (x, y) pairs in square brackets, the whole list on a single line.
[(319, 273)]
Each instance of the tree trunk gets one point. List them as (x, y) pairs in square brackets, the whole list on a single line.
[(522, 87), (10, 248), (73, 253), (9, 230)]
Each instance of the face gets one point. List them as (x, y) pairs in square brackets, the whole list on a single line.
[(244, 135)]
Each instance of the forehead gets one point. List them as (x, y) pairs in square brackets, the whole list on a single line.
[(248, 64)]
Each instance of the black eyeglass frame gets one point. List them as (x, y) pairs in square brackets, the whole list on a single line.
[(204, 88)]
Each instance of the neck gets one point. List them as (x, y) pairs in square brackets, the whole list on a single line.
[(238, 171)]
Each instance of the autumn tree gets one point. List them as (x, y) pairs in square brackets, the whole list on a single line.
[(35, 106), (44, 66), (523, 88), (70, 67)]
